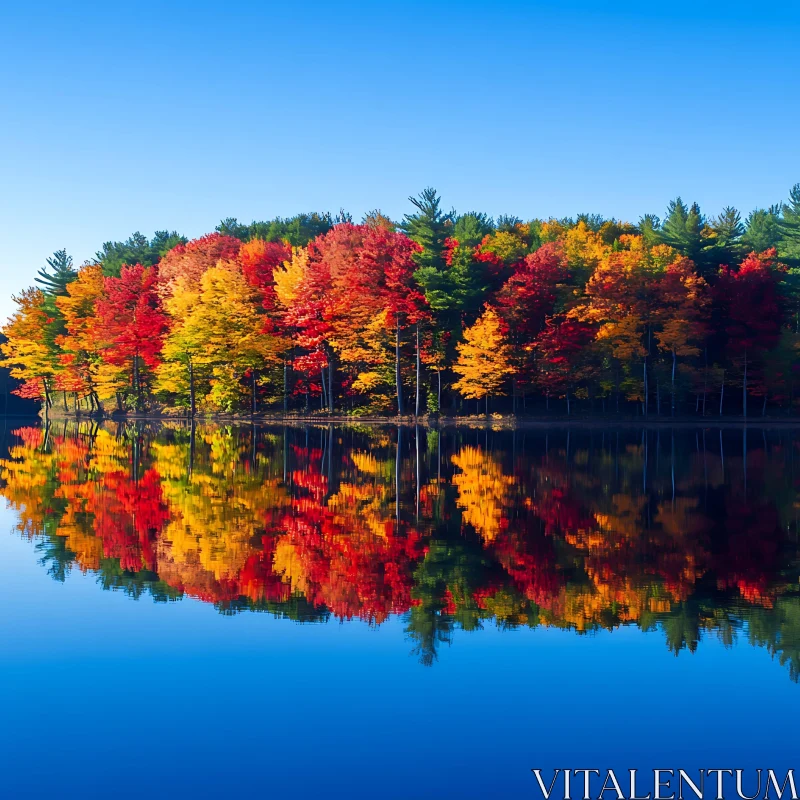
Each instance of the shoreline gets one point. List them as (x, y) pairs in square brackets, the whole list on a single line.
[(500, 422)]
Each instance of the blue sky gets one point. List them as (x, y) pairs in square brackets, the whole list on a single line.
[(139, 116)]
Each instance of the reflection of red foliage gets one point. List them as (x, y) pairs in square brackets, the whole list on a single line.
[(750, 561), (530, 562), (129, 516)]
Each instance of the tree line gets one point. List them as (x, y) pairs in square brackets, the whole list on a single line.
[(440, 312)]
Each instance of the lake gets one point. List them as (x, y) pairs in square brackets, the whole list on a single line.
[(367, 611)]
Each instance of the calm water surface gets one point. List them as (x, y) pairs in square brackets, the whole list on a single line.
[(380, 612)]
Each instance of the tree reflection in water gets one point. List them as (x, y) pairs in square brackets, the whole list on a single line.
[(688, 531)]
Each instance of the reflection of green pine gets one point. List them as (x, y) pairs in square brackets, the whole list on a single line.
[(53, 278), (778, 630), (682, 629), (111, 576), (56, 557)]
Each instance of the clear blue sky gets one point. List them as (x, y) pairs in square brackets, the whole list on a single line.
[(137, 116)]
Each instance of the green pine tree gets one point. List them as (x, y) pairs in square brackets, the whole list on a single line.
[(789, 226), (54, 277), (762, 229)]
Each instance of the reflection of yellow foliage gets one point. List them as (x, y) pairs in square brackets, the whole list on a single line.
[(289, 564), (625, 517), (218, 511), (482, 490)]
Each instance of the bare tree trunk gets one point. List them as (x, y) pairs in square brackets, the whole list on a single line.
[(192, 404), (646, 393), (47, 400), (722, 392), (398, 378), (285, 386), (514, 395), (705, 380), (330, 382), (674, 361), (416, 413), (253, 397), (744, 388)]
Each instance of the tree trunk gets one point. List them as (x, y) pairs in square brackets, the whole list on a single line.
[(330, 381), (487, 404), (398, 379), (674, 360), (722, 392), (439, 391), (253, 398), (285, 386), (646, 393), (568, 411), (64, 398), (47, 401), (192, 404), (136, 384), (705, 379), (416, 412), (744, 388)]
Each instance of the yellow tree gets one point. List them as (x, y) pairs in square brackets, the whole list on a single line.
[(289, 276), (220, 330), (484, 358), (26, 349), (81, 344)]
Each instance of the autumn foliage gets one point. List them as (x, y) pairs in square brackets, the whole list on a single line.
[(316, 314)]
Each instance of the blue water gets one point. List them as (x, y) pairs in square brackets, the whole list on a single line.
[(102, 695)]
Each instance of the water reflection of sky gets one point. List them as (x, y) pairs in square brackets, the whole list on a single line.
[(103, 695)]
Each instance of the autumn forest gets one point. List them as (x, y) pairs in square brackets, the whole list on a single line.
[(450, 313)]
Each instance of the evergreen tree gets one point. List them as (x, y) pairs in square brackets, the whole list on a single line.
[(762, 229), (508, 223), (789, 226), (470, 228), (136, 249), (230, 226), (682, 228), (54, 277), (429, 227), (650, 228), (728, 231), (298, 230), (685, 229)]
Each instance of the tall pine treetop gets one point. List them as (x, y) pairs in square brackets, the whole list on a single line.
[(54, 277), (429, 227)]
